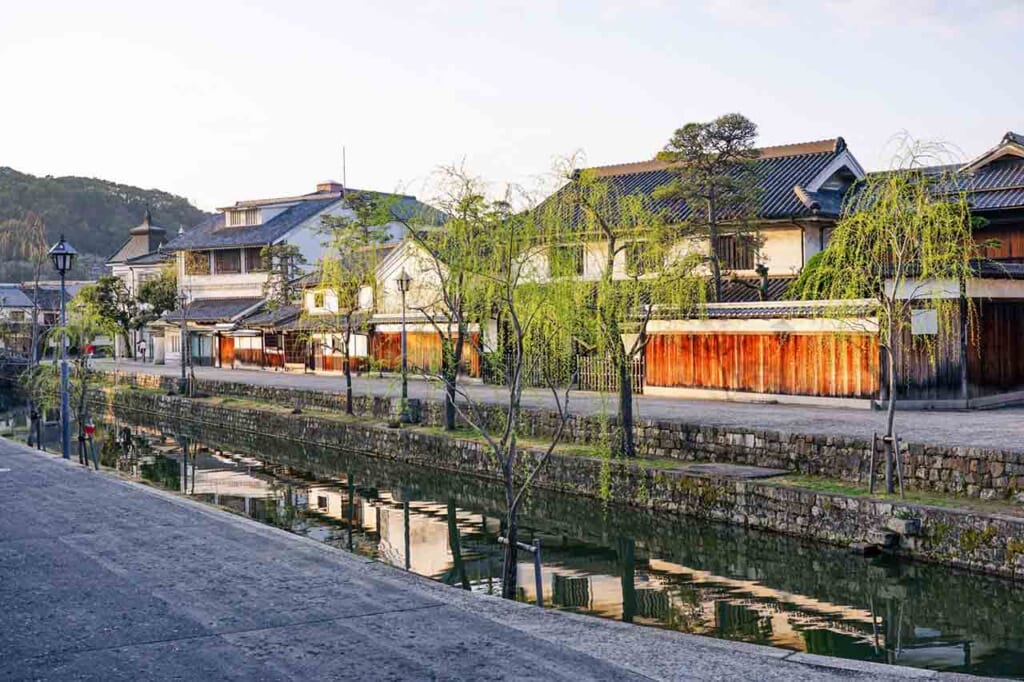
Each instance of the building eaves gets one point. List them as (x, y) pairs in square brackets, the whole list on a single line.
[(213, 310)]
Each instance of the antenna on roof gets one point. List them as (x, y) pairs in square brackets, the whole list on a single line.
[(344, 179)]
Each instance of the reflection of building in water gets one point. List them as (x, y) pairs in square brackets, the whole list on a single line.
[(570, 591)]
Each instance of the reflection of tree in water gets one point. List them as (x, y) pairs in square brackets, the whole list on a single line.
[(163, 471), (685, 611), (737, 621)]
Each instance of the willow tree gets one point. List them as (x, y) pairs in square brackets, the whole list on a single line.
[(713, 169), (905, 245), (346, 270), (641, 269), (536, 324), (450, 254), (84, 323), (25, 239)]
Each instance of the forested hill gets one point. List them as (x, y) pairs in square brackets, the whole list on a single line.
[(95, 215)]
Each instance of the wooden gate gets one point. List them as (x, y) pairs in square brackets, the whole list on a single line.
[(227, 351)]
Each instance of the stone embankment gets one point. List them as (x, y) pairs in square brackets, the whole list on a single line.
[(972, 472), (988, 543)]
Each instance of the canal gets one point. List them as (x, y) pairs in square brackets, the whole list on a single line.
[(650, 569)]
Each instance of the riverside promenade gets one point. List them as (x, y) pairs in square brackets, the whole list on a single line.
[(1001, 429), (105, 579)]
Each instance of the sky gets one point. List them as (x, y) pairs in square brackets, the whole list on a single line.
[(220, 101)]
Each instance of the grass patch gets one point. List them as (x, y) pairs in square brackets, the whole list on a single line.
[(830, 485)]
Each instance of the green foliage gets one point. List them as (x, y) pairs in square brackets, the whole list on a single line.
[(84, 323), (93, 214), (109, 299), (284, 262), (351, 254), (714, 171), (159, 294), (610, 312)]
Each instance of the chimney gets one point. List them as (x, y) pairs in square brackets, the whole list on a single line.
[(330, 186)]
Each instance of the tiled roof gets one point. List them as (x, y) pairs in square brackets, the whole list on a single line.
[(152, 258), (11, 296), (272, 318), (48, 297), (212, 310), (780, 171), (212, 233), (745, 289)]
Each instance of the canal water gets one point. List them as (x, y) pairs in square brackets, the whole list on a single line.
[(655, 570)]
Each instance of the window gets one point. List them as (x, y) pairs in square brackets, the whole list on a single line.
[(227, 261), (197, 263), (17, 316), (175, 342), (321, 502), (253, 260), (319, 299), (246, 216), (567, 260), (735, 252)]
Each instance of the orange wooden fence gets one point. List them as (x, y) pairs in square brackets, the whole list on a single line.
[(795, 364)]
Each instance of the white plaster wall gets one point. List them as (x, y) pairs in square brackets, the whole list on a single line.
[(781, 251)]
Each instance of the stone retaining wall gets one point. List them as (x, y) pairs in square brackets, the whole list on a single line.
[(980, 542), (972, 472)]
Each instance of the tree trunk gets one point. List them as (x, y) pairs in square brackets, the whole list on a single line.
[(510, 566), (716, 270), (348, 381), (627, 437), (890, 439)]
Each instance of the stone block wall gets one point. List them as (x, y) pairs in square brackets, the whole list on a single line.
[(972, 472), (981, 542)]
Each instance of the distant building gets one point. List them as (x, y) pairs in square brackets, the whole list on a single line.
[(221, 272), (139, 258)]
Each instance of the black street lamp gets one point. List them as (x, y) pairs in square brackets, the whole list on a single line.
[(182, 346), (404, 281), (63, 256)]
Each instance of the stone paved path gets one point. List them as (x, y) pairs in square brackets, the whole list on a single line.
[(108, 580), (1003, 428)]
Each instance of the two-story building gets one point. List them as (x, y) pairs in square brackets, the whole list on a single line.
[(223, 278)]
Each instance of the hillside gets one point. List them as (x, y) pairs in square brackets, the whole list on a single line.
[(95, 215)]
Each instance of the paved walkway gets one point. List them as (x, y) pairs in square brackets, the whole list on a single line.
[(104, 579), (1003, 428)]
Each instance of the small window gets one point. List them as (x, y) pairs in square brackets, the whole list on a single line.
[(197, 263), (17, 315), (227, 261), (321, 502), (319, 300), (254, 260), (243, 217), (735, 252), (567, 260)]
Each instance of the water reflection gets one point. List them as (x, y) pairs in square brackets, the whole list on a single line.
[(658, 570)]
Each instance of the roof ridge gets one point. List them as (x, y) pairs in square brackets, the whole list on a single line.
[(829, 146)]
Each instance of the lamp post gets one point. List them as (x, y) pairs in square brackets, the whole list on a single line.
[(63, 256), (183, 345), (404, 280)]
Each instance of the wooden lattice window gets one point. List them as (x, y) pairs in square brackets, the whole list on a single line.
[(735, 252)]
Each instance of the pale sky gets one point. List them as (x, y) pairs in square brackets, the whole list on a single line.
[(221, 101)]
